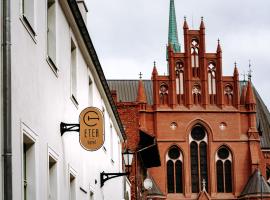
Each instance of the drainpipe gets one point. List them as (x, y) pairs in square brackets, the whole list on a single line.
[(6, 64)]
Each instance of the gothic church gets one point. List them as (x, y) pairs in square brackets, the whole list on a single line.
[(212, 131)]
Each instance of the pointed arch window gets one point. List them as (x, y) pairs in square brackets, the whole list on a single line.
[(163, 93), (196, 93), (224, 170), (212, 82), (179, 71), (198, 159), (228, 92), (195, 57), (174, 159)]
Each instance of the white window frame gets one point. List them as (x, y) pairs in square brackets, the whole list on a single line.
[(33, 137), (74, 94), (26, 20), (54, 156), (72, 172)]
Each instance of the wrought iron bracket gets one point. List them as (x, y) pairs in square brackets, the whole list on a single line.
[(68, 127), (107, 176)]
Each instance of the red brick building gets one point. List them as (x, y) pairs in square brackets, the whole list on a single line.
[(212, 131)]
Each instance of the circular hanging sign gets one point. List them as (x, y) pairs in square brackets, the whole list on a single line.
[(91, 129)]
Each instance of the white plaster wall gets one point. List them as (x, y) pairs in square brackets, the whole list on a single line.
[(41, 100), (1, 108)]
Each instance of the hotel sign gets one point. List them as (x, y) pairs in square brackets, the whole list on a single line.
[(91, 129)]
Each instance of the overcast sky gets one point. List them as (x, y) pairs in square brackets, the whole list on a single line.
[(129, 35)]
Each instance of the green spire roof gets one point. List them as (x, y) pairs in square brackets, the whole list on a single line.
[(173, 34)]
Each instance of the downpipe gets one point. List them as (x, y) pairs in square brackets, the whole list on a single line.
[(6, 88)]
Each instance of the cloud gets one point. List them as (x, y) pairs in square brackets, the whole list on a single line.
[(130, 35)]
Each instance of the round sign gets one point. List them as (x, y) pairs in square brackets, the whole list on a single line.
[(91, 129)]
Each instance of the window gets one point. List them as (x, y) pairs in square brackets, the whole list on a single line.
[(196, 93), (212, 83), (53, 186), (228, 92), (29, 168), (72, 187), (73, 70), (195, 57), (224, 170), (179, 70), (198, 158), (163, 93), (90, 92), (28, 15), (174, 170), (268, 175), (51, 33), (111, 142)]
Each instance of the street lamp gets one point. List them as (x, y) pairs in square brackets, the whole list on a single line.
[(128, 156)]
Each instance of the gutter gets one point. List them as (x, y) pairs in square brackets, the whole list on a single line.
[(6, 87), (92, 52)]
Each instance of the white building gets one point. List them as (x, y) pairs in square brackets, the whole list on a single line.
[(55, 74)]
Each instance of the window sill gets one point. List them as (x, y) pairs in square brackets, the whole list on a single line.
[(28, 27), (74, 100), (52, 66)]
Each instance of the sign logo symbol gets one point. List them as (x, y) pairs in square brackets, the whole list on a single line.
[(91, 129)]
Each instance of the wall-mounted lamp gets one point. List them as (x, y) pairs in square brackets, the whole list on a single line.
[(128, 157)]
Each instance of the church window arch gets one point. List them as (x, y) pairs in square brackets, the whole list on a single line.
[(224, 170), (198, 158), (174, 162), (163, 93), (212, 82), (195, 56), (179, 72), (196, 93), (228, 92)]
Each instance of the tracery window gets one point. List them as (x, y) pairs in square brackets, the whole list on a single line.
[(224, 170), (228, 92), (198, 158), (195, 57), (163, 93), (212, 82), (179, 71), (196, 93), (174, 160)]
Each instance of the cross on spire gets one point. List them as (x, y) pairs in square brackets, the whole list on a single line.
[(249, 71), (140, 75)]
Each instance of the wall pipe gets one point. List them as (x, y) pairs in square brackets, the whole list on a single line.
[(6, 65)]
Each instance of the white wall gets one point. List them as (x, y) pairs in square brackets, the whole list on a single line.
[(41, 100), (1, 108)]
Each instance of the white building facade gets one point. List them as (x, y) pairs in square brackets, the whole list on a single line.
[(55, 75)]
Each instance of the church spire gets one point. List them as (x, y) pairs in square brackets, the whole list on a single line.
[(173, 34)]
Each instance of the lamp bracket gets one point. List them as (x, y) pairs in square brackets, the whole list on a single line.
[(64, 127), (107, 176)]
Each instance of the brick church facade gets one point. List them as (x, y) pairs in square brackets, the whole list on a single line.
[(212, 131)]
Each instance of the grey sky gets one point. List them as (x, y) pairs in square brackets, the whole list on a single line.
[(129, 35)]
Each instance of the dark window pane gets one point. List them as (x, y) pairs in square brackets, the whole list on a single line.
[(170, 176), (178, 176), (228, 176), (220, 184), (203, 163), (198, 133), (223, 153), (194, 167), (174, 152)]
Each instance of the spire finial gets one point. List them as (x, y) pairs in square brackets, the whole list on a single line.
[(185, 18), (218, 46), (173, 34), (244, 76), (235, 64), (201, 18), (154, 63), (249, 70), (140, 75), (202, 24)]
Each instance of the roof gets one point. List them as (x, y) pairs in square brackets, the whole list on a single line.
[(127, 92), (92, 52), (256, 185)]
